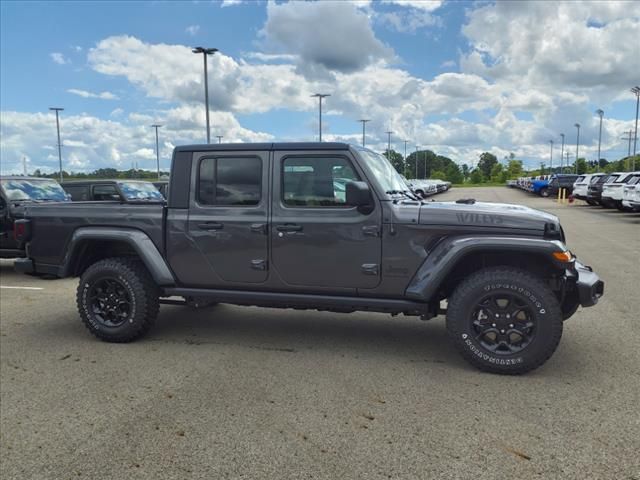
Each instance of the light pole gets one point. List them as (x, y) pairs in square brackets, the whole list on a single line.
[(205, 52), (577, 125), (320, 97), (600, 113), (404, 160), (58, 109), (562, 154), (417, 146), (551, 158), (388, 144), (363, 121), (636, 90), (219, 137), (156, 126)]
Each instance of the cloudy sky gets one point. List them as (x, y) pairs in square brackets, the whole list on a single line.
[(458, 78)]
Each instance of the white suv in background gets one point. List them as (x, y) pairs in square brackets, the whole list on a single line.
[(613, 188), (581, 185), (631, 193)]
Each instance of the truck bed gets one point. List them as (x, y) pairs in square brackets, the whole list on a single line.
[(53, 224)]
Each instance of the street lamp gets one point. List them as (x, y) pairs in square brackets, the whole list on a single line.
[(205, 52), (58, 109), (320, 97), (600, 113), (156, 126), (551, 157), (388, 144), (636, 90), (562, 154), (417, 146), (404, 160), (363, 121), (219, 137), (577, 125)]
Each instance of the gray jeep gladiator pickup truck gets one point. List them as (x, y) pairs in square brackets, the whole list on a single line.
[(324, 226)]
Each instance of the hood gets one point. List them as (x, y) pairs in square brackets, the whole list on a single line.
[(482, 214)]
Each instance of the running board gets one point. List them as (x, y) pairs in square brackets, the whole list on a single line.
[(303, 300)]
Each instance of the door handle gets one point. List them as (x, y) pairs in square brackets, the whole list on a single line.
[(259, 228), (290, 227), (210, 226)]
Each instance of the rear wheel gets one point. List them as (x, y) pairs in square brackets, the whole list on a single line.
[(504, 320), (544, 192), (117, 299)]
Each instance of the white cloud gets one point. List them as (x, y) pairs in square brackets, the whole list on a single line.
[(230, 3), (90, 143), (116, 112), (192, 30), (349, 45), (87, 94), (448, 64), (59, 58), (425, 5)]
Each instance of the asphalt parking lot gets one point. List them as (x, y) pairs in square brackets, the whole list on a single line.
[(235, 392)]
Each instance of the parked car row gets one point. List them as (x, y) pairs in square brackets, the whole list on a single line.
[(545, 185), (16, 192), (427, 186), (619, 190)]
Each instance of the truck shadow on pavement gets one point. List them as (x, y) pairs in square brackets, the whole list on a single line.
[(294, 331)]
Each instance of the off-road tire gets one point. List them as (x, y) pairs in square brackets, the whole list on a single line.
[(139, 286), (536, 295)]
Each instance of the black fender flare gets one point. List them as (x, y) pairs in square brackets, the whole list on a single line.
[(446, 255), (136, 239)]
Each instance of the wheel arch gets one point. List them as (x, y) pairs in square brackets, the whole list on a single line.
[(451, 260), (89, 245)]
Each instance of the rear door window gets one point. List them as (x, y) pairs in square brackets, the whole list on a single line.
[(78, 193), (232, 181), (105, 193)]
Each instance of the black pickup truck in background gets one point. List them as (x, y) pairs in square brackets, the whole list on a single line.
[(15, 193), (561, 181), (112, 190), (325, 226)]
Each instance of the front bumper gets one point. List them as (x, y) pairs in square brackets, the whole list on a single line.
[(588, 284)]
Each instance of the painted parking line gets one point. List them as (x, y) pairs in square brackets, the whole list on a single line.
[(22, 288)]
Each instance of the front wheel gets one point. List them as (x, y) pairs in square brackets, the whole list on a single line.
[(117, 299), (504, 320), (544, 192)]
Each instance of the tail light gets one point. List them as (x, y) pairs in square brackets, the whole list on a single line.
[(22, 230)]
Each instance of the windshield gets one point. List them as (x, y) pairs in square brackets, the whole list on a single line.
[(140, 191), (38, 190), (387, 176)]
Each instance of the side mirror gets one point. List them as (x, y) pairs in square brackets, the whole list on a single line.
[(358, 194)]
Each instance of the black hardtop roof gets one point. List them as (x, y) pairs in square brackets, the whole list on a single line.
[(218, 147)]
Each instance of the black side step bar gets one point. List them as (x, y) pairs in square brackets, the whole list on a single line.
[(301, 300)]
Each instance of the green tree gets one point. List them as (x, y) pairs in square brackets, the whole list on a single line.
[(486, 163), (514, 168), (581, 166), (439, 174), (465, 171), (453, 174), (496, 172), (396, 160), (476, 176)]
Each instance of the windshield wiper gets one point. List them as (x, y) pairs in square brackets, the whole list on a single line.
[(406, 193)]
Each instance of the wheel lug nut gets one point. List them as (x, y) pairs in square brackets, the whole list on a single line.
[(493, 325), (497, 315), (508, 316), (511, 325), (501, 331)]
